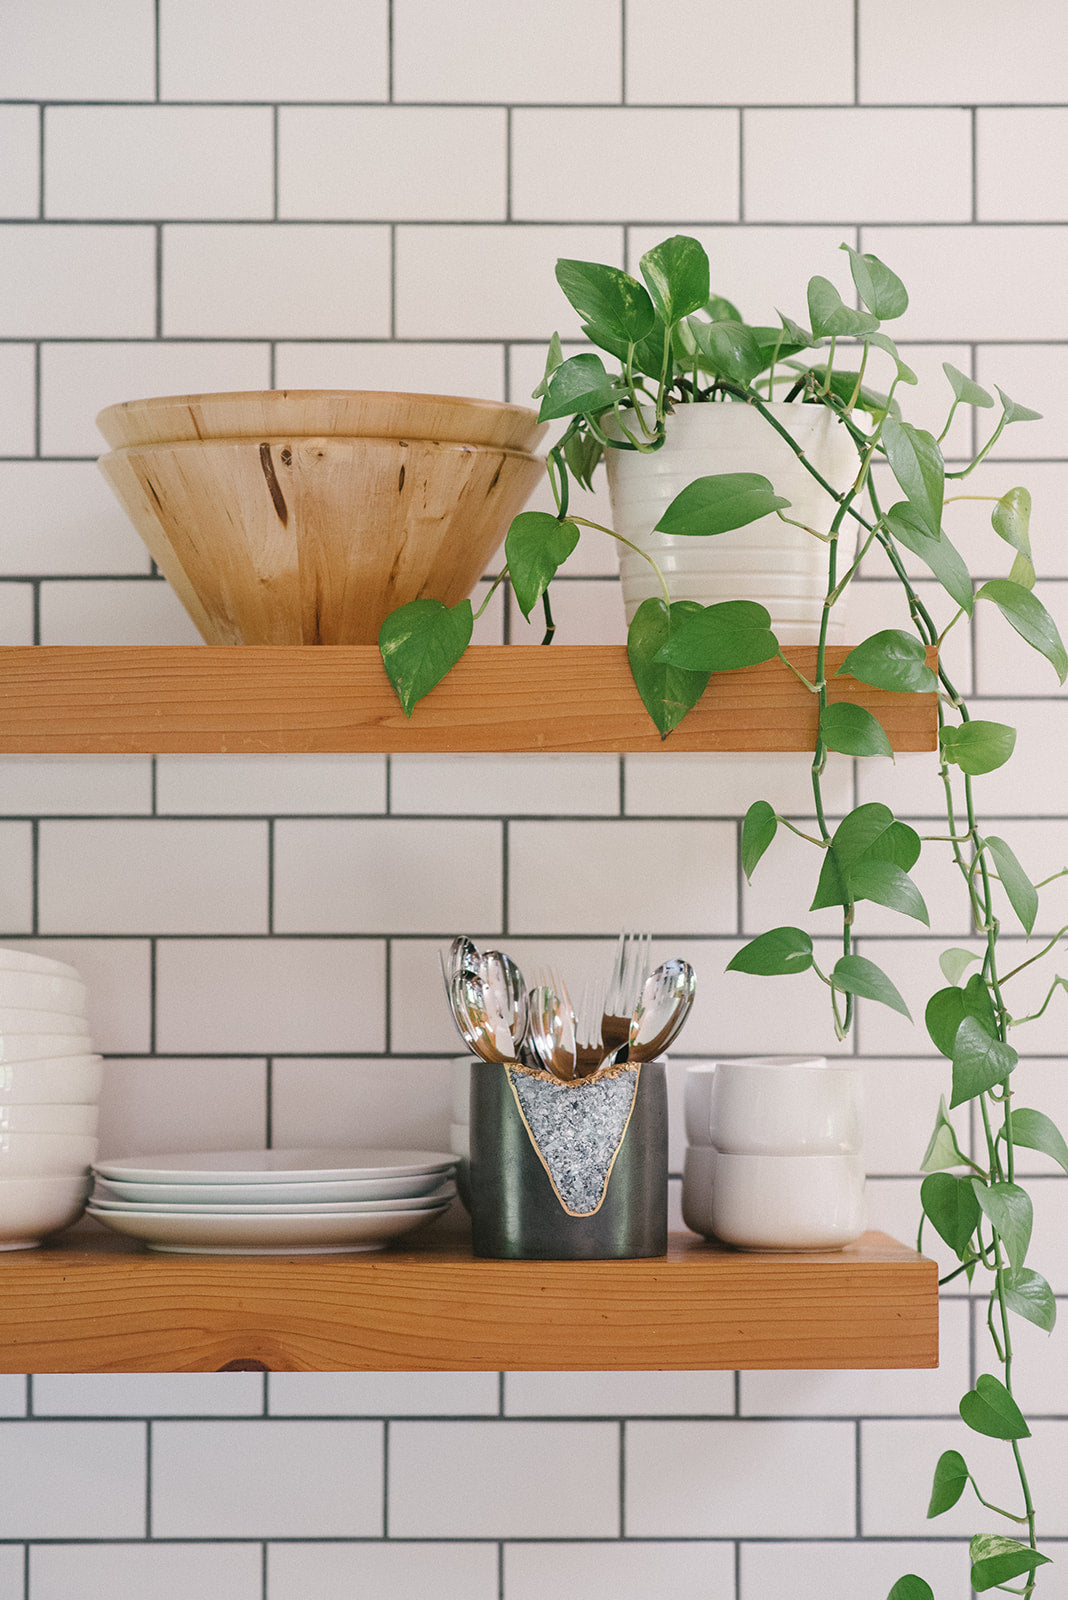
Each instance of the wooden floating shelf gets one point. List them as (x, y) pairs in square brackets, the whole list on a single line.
[(96, 1303), (74, 699)]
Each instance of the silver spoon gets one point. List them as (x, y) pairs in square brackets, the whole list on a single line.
[(667, 997), (504, 982), (552, 1029), (463, 957), (481, 1020)]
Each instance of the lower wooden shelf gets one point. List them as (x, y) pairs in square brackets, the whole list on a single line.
[(93, 1302)]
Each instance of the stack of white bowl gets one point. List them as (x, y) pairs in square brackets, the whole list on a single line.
[(773, 1158), (49, 1091)]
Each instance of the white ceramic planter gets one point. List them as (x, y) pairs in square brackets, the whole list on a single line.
[(780, 566)]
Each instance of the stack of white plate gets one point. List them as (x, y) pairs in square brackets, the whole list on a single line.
[(271, 1202), (49, 1090)]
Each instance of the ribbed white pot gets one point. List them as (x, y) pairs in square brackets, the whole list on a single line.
[(782, 567)]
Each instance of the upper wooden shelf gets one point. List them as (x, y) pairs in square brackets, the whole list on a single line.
[(74, 699), (93, 1302)]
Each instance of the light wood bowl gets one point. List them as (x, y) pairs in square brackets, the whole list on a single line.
[(313, 413), (314, 540)]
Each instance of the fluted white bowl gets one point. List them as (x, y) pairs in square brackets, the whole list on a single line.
[(768, 1202), (43, 1155), (71, 1080), (42, 991), (33, 1207), (42, 1117), (16, 1047), (23, 1019)]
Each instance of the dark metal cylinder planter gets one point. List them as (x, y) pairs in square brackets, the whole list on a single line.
[(547, 1200)]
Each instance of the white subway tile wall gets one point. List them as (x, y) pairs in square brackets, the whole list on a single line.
[(223, 194)]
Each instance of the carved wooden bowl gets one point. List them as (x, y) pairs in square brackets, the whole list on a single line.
[(291, 537)]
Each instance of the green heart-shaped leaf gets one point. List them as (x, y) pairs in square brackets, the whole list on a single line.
[(721, 638), (916, 462), (1022, 571), (977, 747), (667, 691), (1036, 1131), (420, 642), (951, 1206), (951, 1477), (870, 832), (990, 1409), (886, 884), (955, 962), (729, 349), (1014, 412), (905, 525), (1023, 896), (720, 502), (582, 452), (853, 731), (881, 290), (947, 1009), (830, 316), (980, 1061), (536, 545), (553, 358), (943, 1149), (758, 830), (1011, 520), (774, 954), (859, 976), (1008, 1208), (676, 274), (778, 343), (996, 1561), (965, 389), (577, 386), (905, 373), (910, 1587), (607, 299), (1030, 1296), (891, 659), (1025, 612)]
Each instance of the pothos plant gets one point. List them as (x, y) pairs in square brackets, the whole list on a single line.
[(674, 343)]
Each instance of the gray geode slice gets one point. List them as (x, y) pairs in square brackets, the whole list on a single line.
[(577, 1130)]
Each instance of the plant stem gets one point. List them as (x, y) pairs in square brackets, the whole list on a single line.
[(583, 522), (550, 625), (498, 580)]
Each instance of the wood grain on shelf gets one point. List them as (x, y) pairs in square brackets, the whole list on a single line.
[(78, 699), (95, 1303)]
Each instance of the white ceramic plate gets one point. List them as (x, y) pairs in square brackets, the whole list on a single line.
[(283, 1166), (266, 1193), (444, 1193), (266, 1233)]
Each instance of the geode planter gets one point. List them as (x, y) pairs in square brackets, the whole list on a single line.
[(307, 517), (568, 1172)]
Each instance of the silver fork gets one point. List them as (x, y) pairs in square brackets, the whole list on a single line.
[(629, 972), (590, 1050)]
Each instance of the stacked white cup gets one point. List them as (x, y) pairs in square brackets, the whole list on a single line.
[(773, 1156), (50, 1082)]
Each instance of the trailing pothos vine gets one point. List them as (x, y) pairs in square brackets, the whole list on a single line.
[(674, 343)]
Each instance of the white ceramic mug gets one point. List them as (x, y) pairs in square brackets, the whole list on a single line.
[(783, 1105), (769, 1202)]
